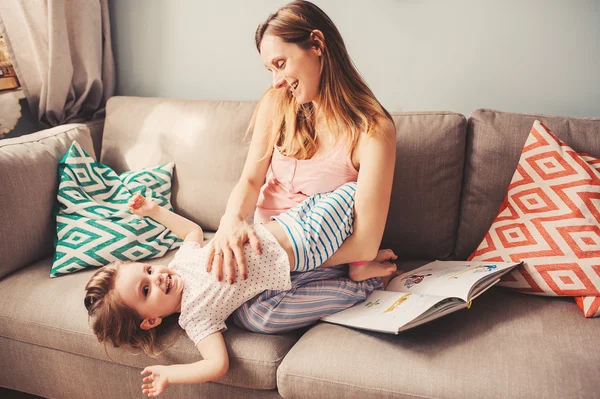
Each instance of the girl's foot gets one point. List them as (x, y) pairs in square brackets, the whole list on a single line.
[(370, 270)]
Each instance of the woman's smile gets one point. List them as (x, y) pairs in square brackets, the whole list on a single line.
[(293, 87)]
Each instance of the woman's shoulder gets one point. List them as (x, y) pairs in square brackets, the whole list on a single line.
[(266, 107), (269, 100), (383, 126), (382, 130)]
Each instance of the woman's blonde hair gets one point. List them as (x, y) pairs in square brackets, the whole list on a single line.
[(115, 321), (345, 100)]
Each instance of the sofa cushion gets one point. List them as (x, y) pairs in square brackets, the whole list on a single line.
[(507, 345), (94, 226), (204, 138), (423, 216), (494, 143), (548, 220), (28, 186), (50, 313)]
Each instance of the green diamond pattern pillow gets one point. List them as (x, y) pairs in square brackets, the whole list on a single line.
[(93, 225)]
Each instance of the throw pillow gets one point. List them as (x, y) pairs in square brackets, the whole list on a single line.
[(550, 220), (589, 304), (93, 225)]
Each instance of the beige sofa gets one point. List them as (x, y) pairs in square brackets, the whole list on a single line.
[(451, 176)]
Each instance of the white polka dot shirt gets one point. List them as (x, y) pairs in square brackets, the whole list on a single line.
[(207, 303)]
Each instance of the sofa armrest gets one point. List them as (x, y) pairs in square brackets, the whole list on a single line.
[(96, 131), (28, 187)]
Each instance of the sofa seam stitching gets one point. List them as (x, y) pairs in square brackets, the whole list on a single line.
[(425, 113), (45, 138), (583, 118)]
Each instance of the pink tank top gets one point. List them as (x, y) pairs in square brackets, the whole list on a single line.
[(290, 181)]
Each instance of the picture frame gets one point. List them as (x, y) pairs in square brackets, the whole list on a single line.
[(8, 77)]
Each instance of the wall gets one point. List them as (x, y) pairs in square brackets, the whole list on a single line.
[(531, 56)]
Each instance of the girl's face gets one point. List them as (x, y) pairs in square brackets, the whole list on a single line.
[(293, 68), (153, 291)]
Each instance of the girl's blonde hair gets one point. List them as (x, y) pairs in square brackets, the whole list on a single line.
[(348, 105), (115, 321)]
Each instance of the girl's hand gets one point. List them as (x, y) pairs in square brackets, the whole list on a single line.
[(385, 255), (141, 206), (158, 380), (227, 249)]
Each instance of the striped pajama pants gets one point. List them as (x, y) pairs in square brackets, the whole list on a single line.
[(314, 294), (317, 227)]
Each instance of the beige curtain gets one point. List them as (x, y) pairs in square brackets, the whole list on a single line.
[(61, 50)]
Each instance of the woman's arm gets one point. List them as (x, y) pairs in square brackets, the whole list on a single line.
[(214, 365), (182, 227), (377, 157), (233, 230)]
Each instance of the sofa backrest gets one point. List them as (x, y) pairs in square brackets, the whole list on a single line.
[(494, 144), (28, 188), (423, 217), (206, 140)]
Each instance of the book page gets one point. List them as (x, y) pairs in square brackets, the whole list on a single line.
[(447, 306), (385, 311), (449, 278)]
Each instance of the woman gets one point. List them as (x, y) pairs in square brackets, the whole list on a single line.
[(318, 127)]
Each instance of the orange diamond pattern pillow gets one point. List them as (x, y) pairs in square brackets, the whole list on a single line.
[(589, 304), (550, 219)]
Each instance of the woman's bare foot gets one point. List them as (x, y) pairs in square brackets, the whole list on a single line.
[(370, 270)]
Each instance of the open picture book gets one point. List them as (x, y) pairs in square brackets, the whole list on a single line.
[(421, 295)]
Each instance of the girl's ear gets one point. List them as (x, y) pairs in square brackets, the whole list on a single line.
[(150, 323)]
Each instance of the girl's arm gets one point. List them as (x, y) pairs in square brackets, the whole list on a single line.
[(377, 156), (214, 365), (182, 227), (234, 231)]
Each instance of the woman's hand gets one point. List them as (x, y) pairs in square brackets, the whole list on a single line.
[(157, 382), (227, 249), (141, 206)]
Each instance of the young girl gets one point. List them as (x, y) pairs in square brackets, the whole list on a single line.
[(125, 296)]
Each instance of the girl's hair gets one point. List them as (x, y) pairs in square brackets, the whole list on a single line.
[(112, 319), (347, 103)]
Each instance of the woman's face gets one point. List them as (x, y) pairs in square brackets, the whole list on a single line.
[(293, 68)]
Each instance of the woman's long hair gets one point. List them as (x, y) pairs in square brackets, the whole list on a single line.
[(348, 105)]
